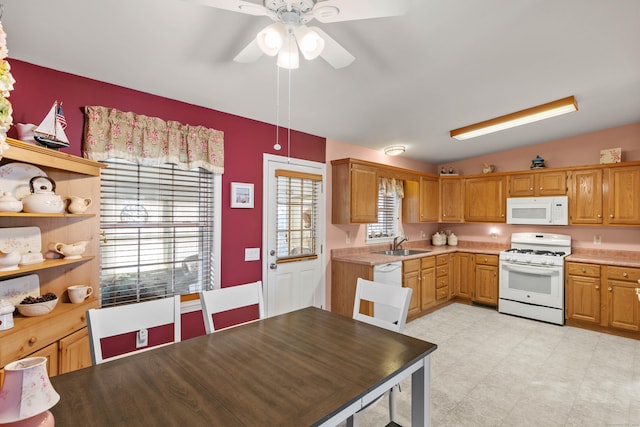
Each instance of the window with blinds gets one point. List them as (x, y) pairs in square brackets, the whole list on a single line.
[(388, 211), (157, 225), (297, 204)]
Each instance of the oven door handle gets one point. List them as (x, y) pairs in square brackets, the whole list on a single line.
[(539, 271)]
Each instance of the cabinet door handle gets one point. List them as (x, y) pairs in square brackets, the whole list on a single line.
[(610, 215), (33, 340), (597, 287), (609, 289), (599, 215)]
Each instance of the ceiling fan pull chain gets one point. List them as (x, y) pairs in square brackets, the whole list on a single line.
[(289, 120), (277, 147)]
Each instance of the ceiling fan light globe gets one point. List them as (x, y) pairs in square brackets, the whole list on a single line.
[(270, 39), (309, 42), (288, 57)]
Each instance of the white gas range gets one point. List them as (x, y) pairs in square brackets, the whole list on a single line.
[(532, 276)]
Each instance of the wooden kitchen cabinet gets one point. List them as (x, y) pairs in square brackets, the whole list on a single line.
[(464, 275), (427, 283), (538, 184), (74, 176), (443, 277), (451, 199), (344, 276), (585, 196), (622, 196), (75, 352), (485, 199), (421, 200), (354, 192), (582, 292), (623, 306), (486, 279), (411, 279)]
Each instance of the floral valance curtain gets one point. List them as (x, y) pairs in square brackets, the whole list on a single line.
[(392, 187), (150, 141)]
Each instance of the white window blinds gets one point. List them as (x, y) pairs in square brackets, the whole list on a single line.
[(157, 225), (297, 204)]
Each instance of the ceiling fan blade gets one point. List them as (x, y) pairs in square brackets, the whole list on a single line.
[(250, 53), (351, 10), (234, 6), (333, 52)]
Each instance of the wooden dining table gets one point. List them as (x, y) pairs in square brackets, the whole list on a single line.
[(309, 367)]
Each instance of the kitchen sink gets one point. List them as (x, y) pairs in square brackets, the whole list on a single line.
[(402, 252)]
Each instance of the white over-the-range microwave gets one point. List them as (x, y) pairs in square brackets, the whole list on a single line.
[(538, 210)]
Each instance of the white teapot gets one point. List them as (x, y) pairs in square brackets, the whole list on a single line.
[(78, 205), (43, 198), (452, 240)]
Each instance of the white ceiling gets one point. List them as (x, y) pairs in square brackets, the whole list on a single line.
[(446, 64)]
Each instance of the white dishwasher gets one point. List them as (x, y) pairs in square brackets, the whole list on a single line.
[(389, 274)]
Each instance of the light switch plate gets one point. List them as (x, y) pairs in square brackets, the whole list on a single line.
[(251, 254)]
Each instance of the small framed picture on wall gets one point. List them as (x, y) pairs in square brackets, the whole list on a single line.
[(241, 195)]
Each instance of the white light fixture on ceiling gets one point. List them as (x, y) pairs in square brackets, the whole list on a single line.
[(285, 40), (541, 112), (394, 150)]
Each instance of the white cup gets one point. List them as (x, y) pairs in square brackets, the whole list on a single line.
[(79, 293)]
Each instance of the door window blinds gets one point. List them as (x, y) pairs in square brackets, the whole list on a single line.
[(297, 204), (157, 225)]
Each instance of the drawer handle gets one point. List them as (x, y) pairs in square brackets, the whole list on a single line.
[(625, 274), (584, 270), (83, 318), (33, 340)]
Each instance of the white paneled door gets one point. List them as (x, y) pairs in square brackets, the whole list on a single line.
[(293, 234)]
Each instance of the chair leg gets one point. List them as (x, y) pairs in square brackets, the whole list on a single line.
[(351, 421)]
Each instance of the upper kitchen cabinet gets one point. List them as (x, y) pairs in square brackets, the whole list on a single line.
[(485, 199), (622, 195), (420, 203), (585, 196), (451, 199), (354, 193), (538, 184)]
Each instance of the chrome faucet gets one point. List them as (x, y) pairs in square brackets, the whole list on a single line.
[(398, 245)]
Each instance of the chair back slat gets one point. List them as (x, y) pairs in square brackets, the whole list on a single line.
[(396, 297), (229, 298), (111, 321)]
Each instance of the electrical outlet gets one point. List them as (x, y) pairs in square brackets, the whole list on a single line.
[(423, 235), (348, 237), (597, 239), (142, 338)]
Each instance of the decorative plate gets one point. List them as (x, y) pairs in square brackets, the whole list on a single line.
[(15, 290), (24, 239), (15, 177)]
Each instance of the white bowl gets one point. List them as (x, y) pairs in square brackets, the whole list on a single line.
[(37, 309)]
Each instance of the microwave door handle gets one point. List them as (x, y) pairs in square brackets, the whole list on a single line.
[(531, 270)]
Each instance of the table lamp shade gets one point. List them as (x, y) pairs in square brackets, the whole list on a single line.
[(26, 390)]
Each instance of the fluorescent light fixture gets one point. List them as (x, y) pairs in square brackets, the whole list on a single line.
[(394, 150), (541, 112)]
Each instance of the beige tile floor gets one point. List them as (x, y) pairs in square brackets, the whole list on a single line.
[(492, 369)]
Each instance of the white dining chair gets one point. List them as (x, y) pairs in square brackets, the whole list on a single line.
[(139, 317), (393, 302), (223, 299)]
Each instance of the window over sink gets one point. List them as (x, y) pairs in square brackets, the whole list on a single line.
[(390, 193)]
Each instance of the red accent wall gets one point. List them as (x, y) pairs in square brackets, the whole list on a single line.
[(245, 141)]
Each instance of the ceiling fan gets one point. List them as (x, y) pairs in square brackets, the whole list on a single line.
[(290, 34)]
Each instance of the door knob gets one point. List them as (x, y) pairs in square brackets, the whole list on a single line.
[(273, 266)]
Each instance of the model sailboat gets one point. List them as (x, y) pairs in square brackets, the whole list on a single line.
[(50, 132)]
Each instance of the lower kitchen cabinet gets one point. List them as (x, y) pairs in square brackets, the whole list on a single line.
[(582, 292), (411, 279), (443, 277), (486, 279), (622, 300), (427, 283), (603, 298), (344, 276), (75, 351), (464, 275)]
